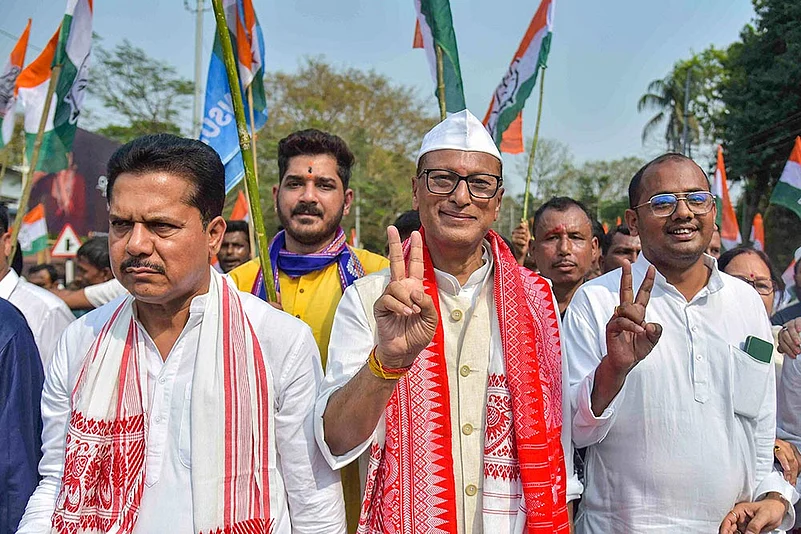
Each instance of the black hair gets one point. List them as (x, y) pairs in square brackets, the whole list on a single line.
[(606, 242), (313, 142), (563, 204), (729, 255), (238, 226), (16, 261), (598, 230), (636, 180), (51, 270), (190, 159), (95, 251), (406, 223), (3, 219)]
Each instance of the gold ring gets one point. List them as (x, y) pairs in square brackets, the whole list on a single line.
[(776, 448), (732, 512), (617, 310)]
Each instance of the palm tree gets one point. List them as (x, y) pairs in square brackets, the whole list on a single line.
[(667, 97)]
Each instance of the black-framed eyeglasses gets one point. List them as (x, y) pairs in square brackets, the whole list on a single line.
[(763, 287), (445, 182), (664, 204)]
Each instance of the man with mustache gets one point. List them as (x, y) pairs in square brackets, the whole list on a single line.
[(185, 405), (564, 246), (676, 406), (311, 260)]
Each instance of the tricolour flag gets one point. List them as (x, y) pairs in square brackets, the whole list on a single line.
[(435, 29), (8, 86), (787, 192), (218, 129), (504, 116), (757, 238), (727, 218), (70, 48), (33, 232), (241, 211)]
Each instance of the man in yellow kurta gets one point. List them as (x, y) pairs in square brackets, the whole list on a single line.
[(310, 258)]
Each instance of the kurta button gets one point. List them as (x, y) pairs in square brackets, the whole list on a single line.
[(456, 315), (467, 429), (464, 371), (699, 357), (301, 290), (158, 419), (471, 490), (297, 315)]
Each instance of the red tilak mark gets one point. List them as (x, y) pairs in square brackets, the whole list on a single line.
[(559, 230)]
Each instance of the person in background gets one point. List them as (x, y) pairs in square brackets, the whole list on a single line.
[(715, 245), (564, 246), (46, 314), (619, 246), (43, 275), (406, 223), (598, 233), (788, 314), (235, 249), (21, 379), (523, 246), (93, 277)]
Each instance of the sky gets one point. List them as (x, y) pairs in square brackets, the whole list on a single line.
[(603, 54)]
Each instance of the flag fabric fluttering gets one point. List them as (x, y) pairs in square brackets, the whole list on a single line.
[(504, 116), (789, 279), (757, 238), (727, 218), (8, 86), (33, 232), (241, 211), (70, 47), (218, 129), (435, 28), (787, 192)]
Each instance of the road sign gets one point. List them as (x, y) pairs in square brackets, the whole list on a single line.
[(67, 244)]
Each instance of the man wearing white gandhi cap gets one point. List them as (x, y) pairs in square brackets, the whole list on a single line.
[(445, 376)]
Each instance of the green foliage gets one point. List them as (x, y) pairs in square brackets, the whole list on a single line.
[(144, 94), (383, 124)]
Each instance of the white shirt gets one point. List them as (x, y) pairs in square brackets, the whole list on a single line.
[(47, 315), (103, 293), (467, 345), (692, 431), (305, 494)]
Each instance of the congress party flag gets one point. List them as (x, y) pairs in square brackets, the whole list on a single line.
[(218, 129), (8, 86), (435, 29), (241, 211), (33, 232), (504, 116), (70, 48), (727, 218), (757, 238), (787, 192)]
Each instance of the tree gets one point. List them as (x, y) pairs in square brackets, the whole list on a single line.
[(666, 96), (383, 124), (145, 94)]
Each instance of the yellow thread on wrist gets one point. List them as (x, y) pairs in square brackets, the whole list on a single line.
[(375, 366)]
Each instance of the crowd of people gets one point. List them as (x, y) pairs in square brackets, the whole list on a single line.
[(567, 379)]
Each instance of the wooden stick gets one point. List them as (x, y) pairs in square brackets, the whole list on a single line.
[(251, 230), (245, 146), (533, 147), (443, 113)]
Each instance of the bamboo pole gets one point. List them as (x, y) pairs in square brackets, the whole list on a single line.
[(245, 146), (6, 150), (251, 230), (533, 147), (27, 184), (443, 113)]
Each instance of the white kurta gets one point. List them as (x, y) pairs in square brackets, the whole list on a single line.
[(692, 431), (47, 315), (305, 494), (470, 328)]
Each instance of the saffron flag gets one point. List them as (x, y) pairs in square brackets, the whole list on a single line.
[(241, 211), (757, 238), (787, 192), (33, 232), (435, 30), (789, 278), (218, 129), (8, 86), (504, 116), (70, 47), (727, 218)]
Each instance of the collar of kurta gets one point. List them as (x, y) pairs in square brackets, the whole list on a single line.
[(715, 283), (8, 284)]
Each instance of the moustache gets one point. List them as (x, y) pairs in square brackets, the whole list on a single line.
[(306, 208), (135, 263)]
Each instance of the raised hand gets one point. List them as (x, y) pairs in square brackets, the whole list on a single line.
[(629, 339), (790, 338), (406, 318), (521, 241)]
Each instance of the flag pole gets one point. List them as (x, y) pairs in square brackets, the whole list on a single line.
[(251, 230), (6, 150), (27, 184), (245, 146), (440, 83), (534, 142)]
